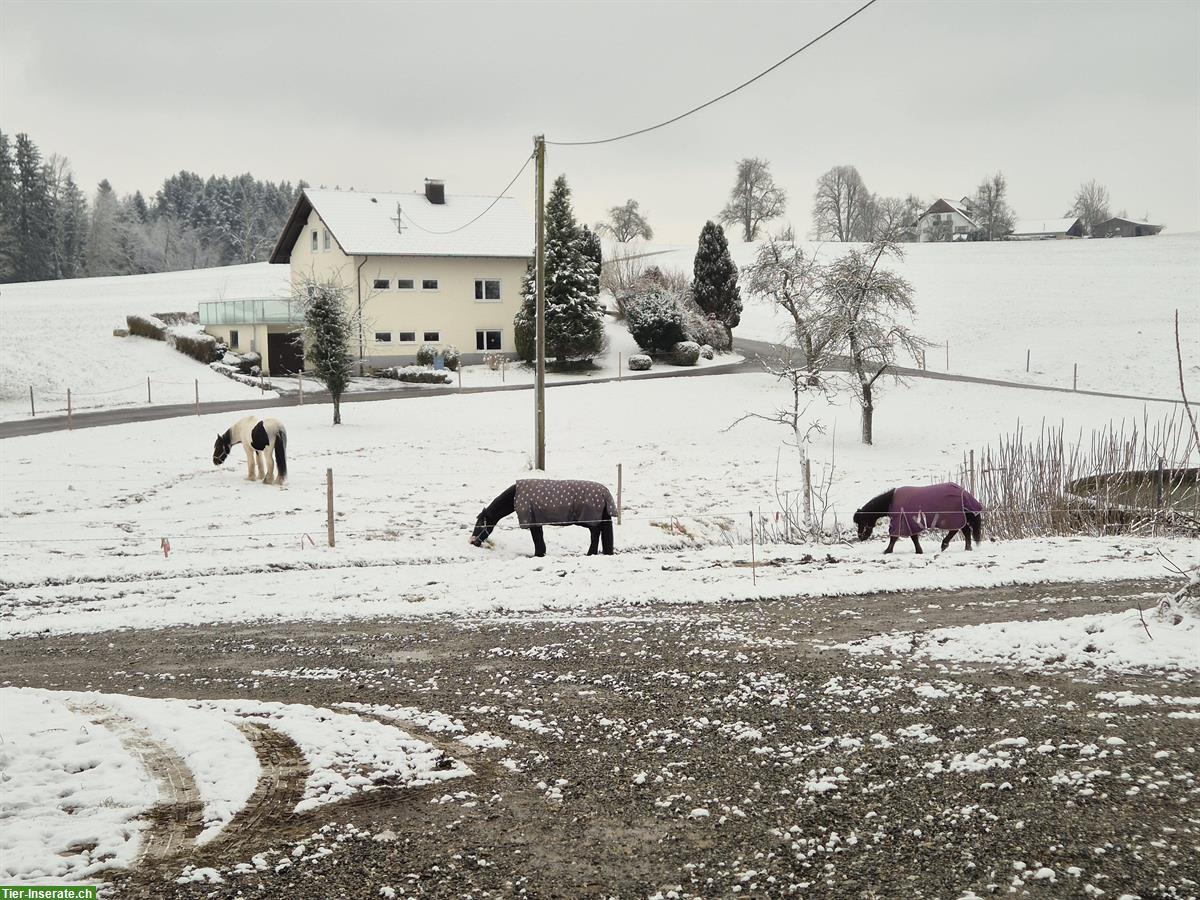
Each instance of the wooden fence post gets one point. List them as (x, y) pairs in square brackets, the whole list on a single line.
[(808, 501), (69, 424), (620, 366), (1075, 378), (300, 380), (197, 396), (460, 377), (1026, 360), (329, 504), (753, 564), (31, 410), (618, 493), (148, 400), (947, 356)]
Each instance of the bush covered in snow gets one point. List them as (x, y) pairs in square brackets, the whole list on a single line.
[(147, 327), (250, 363), (685, 353), (656, 320), (706, 352), (416, 375), (704, 330), (201, 347), (178, 318), (639, 363), (451, 355)]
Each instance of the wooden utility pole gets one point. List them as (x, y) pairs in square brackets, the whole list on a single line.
[(539, 391)]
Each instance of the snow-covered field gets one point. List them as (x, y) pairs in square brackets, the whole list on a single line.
[(56, 335), (85, 516), (83, 769), (1106, 305)]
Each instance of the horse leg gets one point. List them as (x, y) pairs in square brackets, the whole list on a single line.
[(594, 545), (891, 544), (948, 538), (250, 455), (539, 544), (258, 463), (269, 453), (606, 536), (966, 533), (917, 544)]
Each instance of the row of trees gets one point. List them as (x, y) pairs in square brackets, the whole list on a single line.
[(49, 230), (844, 209)]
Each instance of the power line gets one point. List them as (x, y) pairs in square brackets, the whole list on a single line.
[(496, 200), (696, 109)]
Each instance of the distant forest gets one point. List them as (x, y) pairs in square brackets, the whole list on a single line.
[(50, 228)]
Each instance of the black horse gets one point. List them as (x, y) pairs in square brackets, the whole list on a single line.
[(911, 510), (539, 502)]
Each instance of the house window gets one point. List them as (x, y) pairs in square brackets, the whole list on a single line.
[(432, 336), (314, 240), (487, 340), (487, 290), (408, 337), (381, 284), (233, 338), (429, 284), (383, 337), (326, 238), (404, 284)]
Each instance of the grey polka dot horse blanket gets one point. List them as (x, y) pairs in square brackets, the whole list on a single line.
[(543, 501)]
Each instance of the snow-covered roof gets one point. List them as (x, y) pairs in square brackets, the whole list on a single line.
[(944, 205), (1044, 226), (364, 223)]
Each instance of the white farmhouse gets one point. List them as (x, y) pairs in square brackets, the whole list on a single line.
[(946, 220), (407, 261)]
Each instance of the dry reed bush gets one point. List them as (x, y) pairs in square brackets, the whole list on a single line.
[(1129, 477)]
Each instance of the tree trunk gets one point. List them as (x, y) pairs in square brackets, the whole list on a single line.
[(337, 410), (868, 412)]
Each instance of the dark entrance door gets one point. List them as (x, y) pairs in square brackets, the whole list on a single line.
[(285, 356)]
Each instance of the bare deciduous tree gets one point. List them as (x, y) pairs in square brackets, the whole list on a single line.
[(839, 205), (626, 223), (1091, 204), (992, 212), (755, 198), (864, 305)]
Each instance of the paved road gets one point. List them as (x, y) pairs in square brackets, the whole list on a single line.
[(751, 350)]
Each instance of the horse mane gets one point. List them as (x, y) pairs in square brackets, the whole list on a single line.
[(502, 506), (880, 505)]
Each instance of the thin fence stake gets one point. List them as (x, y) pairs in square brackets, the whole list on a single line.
[(300, 380), (460, 377), (197, 396), (1075, 378), (972, 482), (753, 563), (329, 504), (69, 423), (618, 493), (620, 366), (1026, 360), (31, 410), (808, 500), (261, 382), (148, 400), (947, 356)]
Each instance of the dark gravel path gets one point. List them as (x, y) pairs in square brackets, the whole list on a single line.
[(704, 751)]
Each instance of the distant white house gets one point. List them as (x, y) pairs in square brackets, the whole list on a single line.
[(418, 276), (946, 220), (1046, 229)]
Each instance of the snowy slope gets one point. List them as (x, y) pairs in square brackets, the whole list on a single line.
[(56, 335), (1106, 305)]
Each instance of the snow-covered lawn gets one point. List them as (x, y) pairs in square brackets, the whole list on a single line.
[(1107, 305), (84, 515), (83, 769), (56, 335)]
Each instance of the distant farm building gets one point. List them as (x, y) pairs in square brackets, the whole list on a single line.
[(946, 220), (1119, 227), (1046, 229)]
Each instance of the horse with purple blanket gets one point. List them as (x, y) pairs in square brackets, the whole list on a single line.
[(911, 510)]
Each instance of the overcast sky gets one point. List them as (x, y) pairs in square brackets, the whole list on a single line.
[(923, 97)]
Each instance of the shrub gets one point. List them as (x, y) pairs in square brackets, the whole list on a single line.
[(425, 354), (706, 352), (639, 363), (656, 321), (494, 361), (178, 318), (416, 375), (201, 347), (147, 327), (451, 356), (685, 353), (250, 362)]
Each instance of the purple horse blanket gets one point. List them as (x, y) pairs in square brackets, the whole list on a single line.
[(943, 506)]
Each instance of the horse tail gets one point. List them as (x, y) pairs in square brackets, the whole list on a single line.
[(281, 452)]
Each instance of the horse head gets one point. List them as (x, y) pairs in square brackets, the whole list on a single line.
[(865, 521), (221, 448), (482, 529)]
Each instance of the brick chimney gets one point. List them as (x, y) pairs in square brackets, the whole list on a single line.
[(435, 191)]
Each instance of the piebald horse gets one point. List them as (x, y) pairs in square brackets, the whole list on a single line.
[(260, 438)]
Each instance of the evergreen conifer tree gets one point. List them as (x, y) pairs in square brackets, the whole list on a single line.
[(8, 211), (329, 328), (34, 245), (574, 319), (715, 279)]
